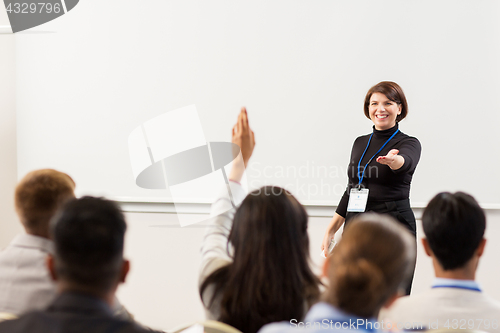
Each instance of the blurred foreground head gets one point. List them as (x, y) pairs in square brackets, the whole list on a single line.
[(88, 234), (370, 265)]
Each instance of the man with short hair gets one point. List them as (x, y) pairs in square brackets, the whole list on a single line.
[(25, 283), (88, 266), (454, 227)]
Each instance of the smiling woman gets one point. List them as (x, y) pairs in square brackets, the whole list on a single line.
[(383, 185)]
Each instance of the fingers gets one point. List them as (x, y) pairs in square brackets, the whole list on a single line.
[(244, 119), (242, 122), (389, 158), (243, 135), (384, 160), (325, 243), (236, 126), (393, 152)]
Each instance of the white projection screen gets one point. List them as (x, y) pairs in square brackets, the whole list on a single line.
[(85, 81)]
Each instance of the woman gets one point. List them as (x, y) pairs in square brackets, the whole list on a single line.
[(382, 164), (255, 267), (364, 275)]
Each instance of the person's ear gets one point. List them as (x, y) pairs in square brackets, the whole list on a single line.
[(49, 261), (427, 247), (124, 271), (480, 248)]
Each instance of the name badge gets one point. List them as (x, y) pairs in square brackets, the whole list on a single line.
[(357, 200)]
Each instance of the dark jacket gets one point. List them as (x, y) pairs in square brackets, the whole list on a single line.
[(71, 313)]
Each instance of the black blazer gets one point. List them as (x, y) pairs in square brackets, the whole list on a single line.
[(71, 313)]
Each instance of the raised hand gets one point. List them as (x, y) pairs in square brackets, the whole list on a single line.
[(243, 136)]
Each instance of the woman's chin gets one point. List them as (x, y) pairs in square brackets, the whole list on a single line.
[(382, 125)]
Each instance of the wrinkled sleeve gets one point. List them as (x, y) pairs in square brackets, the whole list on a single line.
[(410, 150), (214, 248)]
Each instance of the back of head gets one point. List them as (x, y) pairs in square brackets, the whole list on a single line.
[(89, 235), (270, 226), (270, 278), (39, 195), (370, 264), (454, 226)]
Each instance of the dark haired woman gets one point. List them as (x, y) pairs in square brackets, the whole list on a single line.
[(364, 276), (382, 164), (255, 259)]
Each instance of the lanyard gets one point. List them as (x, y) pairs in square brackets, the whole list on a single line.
[(359, 163), (457, 287)]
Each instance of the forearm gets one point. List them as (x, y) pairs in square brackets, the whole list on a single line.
[(336, 222), (333, 227), (237, 170)]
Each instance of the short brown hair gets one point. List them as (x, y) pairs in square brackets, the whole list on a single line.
[(392, 91), (39, 195), (372, 262)]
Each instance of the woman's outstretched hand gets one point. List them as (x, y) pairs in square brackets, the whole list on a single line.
[(392, 159)]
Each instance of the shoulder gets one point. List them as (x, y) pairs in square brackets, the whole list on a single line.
[(43, 322), (403, 137), (31, 322), (408, 142), (490, 300), (440, 301), (212, 266), (363, 137), (406, 306), (361, 140)]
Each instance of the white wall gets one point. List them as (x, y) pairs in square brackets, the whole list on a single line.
[(301, 67), (9, 224)]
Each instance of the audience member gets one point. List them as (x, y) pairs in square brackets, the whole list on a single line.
[(454, 226), (367, 270), (255, 259), (88, 266), (25, 282)]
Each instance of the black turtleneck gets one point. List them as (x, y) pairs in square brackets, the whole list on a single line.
[(384, 184)]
